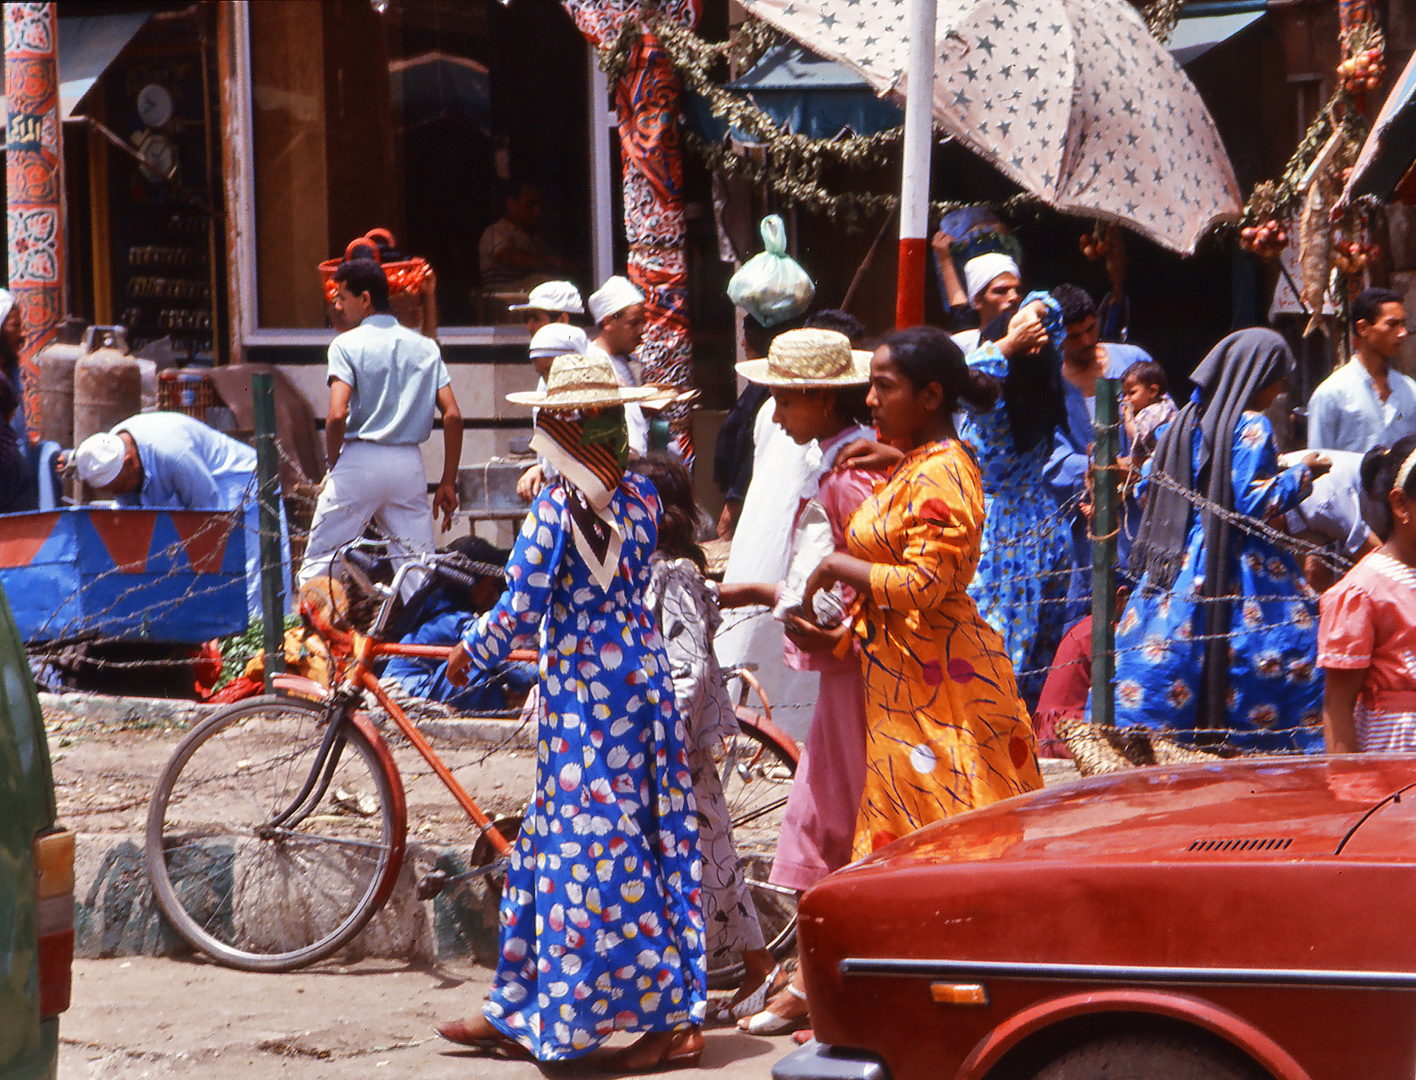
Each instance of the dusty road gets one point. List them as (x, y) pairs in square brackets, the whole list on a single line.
[(149, 1019)]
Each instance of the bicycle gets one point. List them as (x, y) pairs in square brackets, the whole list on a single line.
[(278, 828)]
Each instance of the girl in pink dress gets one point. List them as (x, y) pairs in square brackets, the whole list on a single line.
[(1367, 629), (819, 386)]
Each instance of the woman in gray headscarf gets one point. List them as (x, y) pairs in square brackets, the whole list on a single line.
[(1221, 636)]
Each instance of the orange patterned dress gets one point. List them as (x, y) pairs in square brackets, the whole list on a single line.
[(947, 730)]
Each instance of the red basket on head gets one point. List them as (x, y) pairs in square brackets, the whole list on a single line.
[(405, 279)]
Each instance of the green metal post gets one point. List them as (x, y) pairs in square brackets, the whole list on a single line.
[(1105, 527), (268, 479)]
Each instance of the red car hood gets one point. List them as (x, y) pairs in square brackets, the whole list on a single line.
[(1292, 808)]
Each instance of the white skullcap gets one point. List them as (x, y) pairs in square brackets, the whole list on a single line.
[(552, 296), (7, 301), (558, 339), (99, 459), (980, 271), (612, 297)]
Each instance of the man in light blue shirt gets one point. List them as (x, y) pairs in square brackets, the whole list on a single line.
[(167, 461), (386, 383), (1366, 402)]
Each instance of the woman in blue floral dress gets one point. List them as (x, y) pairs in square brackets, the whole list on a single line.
[(601, 923), (1219, 642), (1020, 585)]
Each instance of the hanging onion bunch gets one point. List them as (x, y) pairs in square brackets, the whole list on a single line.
[(1265, 240), (1364, 59)]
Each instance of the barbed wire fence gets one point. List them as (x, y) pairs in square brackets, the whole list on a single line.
[(1094, 738)]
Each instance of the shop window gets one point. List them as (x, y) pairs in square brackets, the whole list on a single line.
[(423, 119)]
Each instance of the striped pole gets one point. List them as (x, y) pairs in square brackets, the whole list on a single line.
[(914, 186)]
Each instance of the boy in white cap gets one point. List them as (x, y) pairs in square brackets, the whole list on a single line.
[(552, 340), (550, 302), (386, 382), (167, 461), (618, 310)]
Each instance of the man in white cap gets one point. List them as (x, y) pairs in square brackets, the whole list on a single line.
[(992, 287), (552, 340), (550, 302), (167, 461), (618, 310)]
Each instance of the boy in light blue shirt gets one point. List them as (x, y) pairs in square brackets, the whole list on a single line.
[(386, 384)]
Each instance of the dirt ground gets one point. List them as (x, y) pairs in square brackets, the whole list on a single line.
[(148, 1019)]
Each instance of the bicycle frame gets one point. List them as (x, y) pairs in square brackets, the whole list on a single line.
[(356, 653)]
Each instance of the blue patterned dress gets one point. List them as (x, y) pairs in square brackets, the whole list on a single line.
[(1275, 689), (1020, 586), (601, 922)]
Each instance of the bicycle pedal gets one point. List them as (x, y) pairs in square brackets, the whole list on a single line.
[(437, 881), (432, 883)]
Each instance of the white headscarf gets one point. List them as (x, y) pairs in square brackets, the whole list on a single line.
[(7, 301), (980, 271)]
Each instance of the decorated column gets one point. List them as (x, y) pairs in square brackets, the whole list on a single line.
[(33, 174), (646, 103)]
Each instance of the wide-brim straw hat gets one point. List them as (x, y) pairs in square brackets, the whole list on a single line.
[(582, 382), (809, 357)]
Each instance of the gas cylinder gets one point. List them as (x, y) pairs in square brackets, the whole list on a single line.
[(108, 383), (55, 395)]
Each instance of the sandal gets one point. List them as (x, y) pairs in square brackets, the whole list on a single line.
[(673, 1057), (724, 1011), (767, 1022), (460, 1032)]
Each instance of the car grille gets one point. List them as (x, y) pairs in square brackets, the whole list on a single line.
[(1257, 843)]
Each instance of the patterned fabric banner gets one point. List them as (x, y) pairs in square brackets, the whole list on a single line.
[(646, 102)]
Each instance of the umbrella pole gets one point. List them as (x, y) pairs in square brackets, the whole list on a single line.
[(914, 186)]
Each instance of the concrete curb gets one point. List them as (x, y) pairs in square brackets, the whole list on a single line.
[(117, 915)]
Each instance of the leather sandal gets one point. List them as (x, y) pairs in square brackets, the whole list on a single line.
[(724, 1011), (460, 1032), (673, 1057), (766, 1022)]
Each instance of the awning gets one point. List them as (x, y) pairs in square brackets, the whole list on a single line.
[(1203, 26), (86, 47), (1390, 149)]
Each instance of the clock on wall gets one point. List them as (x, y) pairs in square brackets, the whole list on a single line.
[(154, 105)]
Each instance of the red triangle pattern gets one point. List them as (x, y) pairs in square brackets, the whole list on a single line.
[(22, 536), (203, 537), (126, 536)]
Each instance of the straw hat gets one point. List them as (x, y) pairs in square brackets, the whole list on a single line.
[(809, 358), (582, 382)]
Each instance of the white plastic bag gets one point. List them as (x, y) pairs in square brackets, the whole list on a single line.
[(772, 287)]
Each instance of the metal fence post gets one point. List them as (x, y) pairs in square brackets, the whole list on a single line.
[(1104, 528), (268, 479)]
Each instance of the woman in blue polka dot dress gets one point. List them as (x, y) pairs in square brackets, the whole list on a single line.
[(601, 924)]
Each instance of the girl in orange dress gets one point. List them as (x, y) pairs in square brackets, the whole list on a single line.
[(947, 730)]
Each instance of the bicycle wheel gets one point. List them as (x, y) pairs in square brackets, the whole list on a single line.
[(248, 892), (756, 772)]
